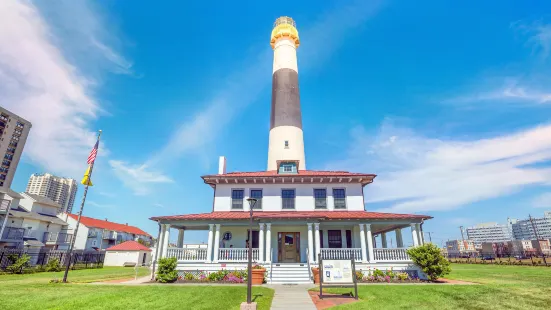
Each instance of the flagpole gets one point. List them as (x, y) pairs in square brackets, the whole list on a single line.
[(70, 251)]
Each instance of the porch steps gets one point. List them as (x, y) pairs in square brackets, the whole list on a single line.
[(289, 273)]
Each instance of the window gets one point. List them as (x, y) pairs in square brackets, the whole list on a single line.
[(257, 194), (288, 198), (334, 238), (286, 144), (288, 167), (339, 198), (320, 198), (237, 198)]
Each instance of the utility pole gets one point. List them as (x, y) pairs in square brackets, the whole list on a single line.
[(537, 238), (461, 229), (430, 237)]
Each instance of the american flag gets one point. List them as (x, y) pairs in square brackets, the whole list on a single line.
[(93, 154)]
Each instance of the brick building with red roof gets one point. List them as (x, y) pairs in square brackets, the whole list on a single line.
[(298, 215)]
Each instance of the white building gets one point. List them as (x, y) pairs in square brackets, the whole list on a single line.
[(13, 135), (32, 222), (126, 254), (300, 215), (524, 230), (489, 232), (95, 234), (460, 247), (60, 190)]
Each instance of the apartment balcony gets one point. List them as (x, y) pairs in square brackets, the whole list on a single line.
[(92, 234), (13, 234), (57, 238), (112, 235)]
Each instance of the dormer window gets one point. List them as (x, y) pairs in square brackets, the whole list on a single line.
[(288, 167)]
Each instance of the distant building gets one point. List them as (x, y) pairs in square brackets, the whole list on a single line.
[(542, 246), (13, 135), (489, 232), (60, 190), (460, 247), (523, 229), (96, 234)]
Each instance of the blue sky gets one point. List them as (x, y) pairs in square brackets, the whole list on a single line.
[(448, 103)]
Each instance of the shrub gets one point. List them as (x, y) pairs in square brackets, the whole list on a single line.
[(402, 276), (378, 273), (189, 276), (430, 259), (20, 264), (53, 265), (167, 270), (359, 275), (217, 275)]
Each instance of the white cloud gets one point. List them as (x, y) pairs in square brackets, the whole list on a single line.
[(138, 178), (538, 34), (419, 174), (39, 82), (542, 201), (98, 205)]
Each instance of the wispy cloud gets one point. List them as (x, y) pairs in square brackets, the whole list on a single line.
[(542, 201), (139, 178), (41, 84), (538, 35), (99, 205), (420, 174), (244, 85)]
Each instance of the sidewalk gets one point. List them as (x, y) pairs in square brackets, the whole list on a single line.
[(288, 297)]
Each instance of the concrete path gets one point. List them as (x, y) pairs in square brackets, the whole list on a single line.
[(294, 297)]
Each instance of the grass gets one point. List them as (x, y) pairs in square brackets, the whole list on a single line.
[(500, 287), (32, 291)]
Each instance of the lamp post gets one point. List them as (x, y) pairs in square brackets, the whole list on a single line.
[(252, 202)]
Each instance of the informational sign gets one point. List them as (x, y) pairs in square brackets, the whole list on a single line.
[(337, 271)]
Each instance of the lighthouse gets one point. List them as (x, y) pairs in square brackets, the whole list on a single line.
[(286, 145)]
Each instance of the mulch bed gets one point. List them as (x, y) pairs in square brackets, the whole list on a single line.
[(209, 282), (330, 300)]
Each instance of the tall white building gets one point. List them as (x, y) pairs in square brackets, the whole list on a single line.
[(524, 230), (13, 135), (58, 189), (489, 232)]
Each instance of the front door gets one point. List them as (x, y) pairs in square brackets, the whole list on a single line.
[(288, 247)]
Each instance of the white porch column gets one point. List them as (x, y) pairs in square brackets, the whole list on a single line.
[(180, 243), (317, 241), (420, 232), (268, 242), (343, 238), (209, 244), (362, 240), (160, 242), (399, 239), (310, 243), (414, 234), (166, 239), (384, 245), (217, 242), (261, 243), (369, 243)]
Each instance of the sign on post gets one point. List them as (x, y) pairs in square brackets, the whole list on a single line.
[(337, 273)]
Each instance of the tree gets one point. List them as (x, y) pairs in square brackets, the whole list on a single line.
[(167, 270), (430, 259)]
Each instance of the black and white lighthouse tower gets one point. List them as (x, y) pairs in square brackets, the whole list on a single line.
[(286, 138)]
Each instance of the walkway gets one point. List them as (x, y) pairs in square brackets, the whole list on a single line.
[(292, 297)]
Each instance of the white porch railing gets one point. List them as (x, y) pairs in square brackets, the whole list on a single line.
[(236, 255), (355, 253), (188, 255), (386, 255)]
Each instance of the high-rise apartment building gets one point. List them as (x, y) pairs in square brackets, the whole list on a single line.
[(13, 135), (489, 232), (58, 189), (524, 229)]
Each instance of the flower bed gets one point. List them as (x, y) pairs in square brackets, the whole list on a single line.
[(221, 276), (386, 276)]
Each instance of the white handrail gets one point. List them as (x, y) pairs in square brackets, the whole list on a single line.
[(347, 253), (189, 255), (236, 254), (391, 254)]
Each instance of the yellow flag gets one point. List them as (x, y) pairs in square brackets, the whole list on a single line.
[(86, 179)]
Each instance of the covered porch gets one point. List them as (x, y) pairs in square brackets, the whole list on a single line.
[(280, 239)]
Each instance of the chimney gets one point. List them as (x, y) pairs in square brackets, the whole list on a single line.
[(106, 219), (222, 165), (126, 224)]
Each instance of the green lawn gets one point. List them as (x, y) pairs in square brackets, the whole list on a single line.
[(501, 287), (34, 292)]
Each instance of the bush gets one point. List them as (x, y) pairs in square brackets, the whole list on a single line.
[(402, 276), (359, 275), (378, 273), (53, 265), (189, 276), (167, 270), (217, 275), (430, 259), (19, 265)]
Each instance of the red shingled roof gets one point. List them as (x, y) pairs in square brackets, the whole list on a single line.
[(329, 215), (129, 246), (92, 222), (300, 173)]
